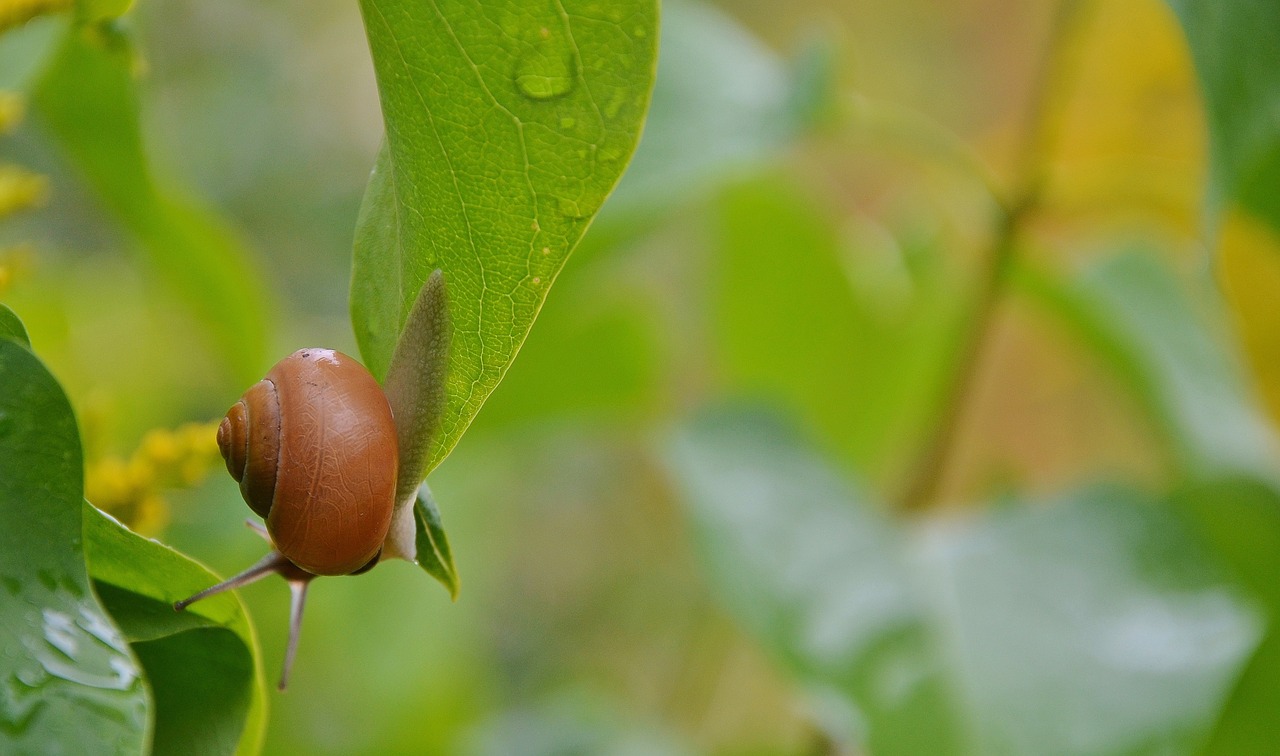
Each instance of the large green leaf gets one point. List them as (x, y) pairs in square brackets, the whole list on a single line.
[(1036, 622), (88, 99), (68, 681), (1236, 48), (508, 123), (201, 663)]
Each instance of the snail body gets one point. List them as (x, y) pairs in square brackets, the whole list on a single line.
[(332, 462), (313, 446)]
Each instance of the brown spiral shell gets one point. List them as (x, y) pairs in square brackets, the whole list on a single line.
[(313, 446)]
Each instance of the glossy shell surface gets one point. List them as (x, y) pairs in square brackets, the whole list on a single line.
[(314, 448)]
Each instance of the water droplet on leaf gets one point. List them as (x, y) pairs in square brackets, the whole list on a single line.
[(545, 73), (576, 209)]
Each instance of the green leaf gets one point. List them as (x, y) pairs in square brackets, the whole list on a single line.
[(1240, 520), (24, 50), (881, 344), (88, 99), (572, 723), (720, 105), (433, 554), (12, 328), (508, 123), (817, 575), (1139, 318), (1067, 598), (201, 663), (1033, 621), (416, 382), (101, 10), (595, 354), (1236, 49), (68, 681)]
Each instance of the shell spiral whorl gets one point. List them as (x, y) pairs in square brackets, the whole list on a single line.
[(249, 439)]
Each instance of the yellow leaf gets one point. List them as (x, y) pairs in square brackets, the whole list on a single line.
[(1132, 132), (1249, 268)]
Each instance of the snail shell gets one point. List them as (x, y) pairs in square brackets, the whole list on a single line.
[(313, 446)]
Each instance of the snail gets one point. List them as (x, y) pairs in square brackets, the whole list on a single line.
[(332, 461)]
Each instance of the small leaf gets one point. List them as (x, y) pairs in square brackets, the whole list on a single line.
[(434, 555), (201, 663), (11, 327), (508, 123), (415, 383), (68, 681), (88, 99)]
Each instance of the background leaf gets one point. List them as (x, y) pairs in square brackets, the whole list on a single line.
[(789, 293), (915, 626), (69, 680), (87, 97), (817, 575), (720, 105), (1236, 48), (507, 126), (1240, 520), (1139, 317)]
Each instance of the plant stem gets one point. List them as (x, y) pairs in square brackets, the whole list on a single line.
[(1044, 120)]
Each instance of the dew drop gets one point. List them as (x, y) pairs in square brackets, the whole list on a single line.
[(570, 209), (583, 206), (96, 624), (545, 73), (537, 280), (567, 123), (614, 106), (59, 631)]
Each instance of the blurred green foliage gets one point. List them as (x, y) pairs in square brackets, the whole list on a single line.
[(801, 231)]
